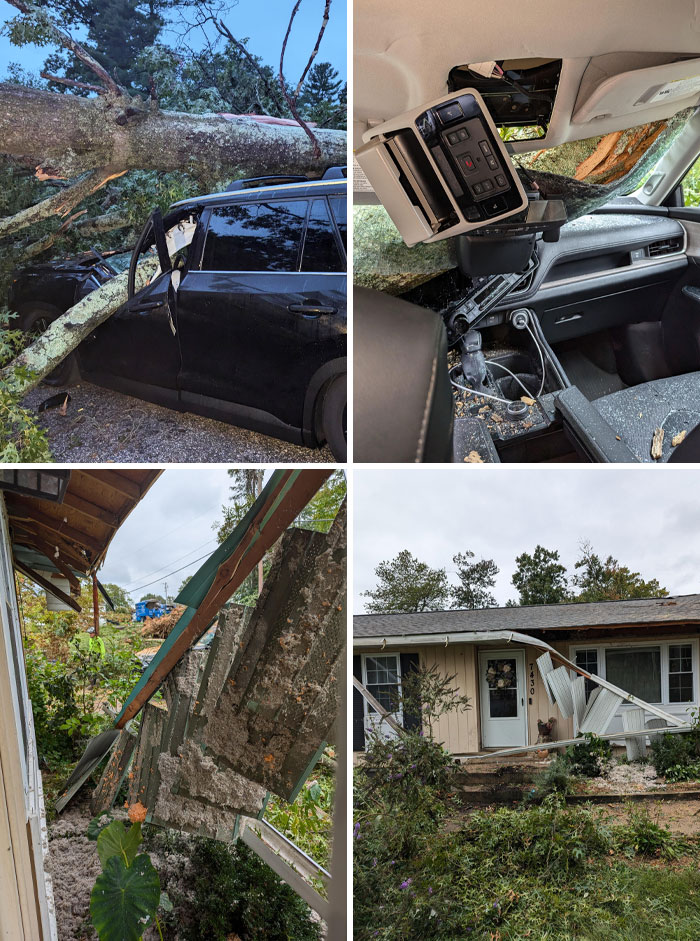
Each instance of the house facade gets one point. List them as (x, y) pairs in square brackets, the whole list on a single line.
[(647, 647)]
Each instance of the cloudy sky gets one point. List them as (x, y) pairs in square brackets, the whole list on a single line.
[(263, 23), (168, 531), (648, 524)]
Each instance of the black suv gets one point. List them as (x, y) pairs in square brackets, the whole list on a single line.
[(245, 320)]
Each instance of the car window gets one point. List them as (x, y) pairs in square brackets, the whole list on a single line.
[(691, 186), (255, 237), (321, 251), (339, 206)]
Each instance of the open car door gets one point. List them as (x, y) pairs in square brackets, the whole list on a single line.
[(137, 350)]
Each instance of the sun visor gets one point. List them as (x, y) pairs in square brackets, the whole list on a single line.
[(674, 85), (442, 169)]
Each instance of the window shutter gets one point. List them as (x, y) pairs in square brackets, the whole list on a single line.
[(410, 664), (358, 709)]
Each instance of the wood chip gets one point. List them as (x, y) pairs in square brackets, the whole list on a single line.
[(657, 443), (485, 408), (527, 400), (473, 458), (676, 439)]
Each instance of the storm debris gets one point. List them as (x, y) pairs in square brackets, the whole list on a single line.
[(657, 444), (676, 439)]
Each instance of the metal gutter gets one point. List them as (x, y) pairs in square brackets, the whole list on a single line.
[(509, 637), (282, 499)]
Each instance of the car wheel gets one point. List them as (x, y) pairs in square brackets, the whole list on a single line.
[(35, 319), (334, 417)]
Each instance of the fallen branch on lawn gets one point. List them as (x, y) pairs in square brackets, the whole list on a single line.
[(63, 336)]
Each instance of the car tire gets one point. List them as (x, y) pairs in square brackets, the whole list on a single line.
[(334, 417), (36, 318)]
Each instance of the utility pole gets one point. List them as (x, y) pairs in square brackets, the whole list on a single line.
[(95, 605)]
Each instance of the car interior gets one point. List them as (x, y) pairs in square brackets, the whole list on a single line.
[(533, 178)]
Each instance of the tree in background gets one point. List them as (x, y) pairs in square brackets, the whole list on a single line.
[(318, 515), (117, 31), (120, 598), (475, 581), (540, 578), (607, 580), (159, 598), (323, 97), (405, 584)]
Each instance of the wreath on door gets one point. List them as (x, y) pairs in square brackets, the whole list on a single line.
[(500, 674)]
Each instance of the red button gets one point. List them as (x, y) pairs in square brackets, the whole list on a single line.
[(468, 162)]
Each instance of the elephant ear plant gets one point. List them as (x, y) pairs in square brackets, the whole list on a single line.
[(126, 895)]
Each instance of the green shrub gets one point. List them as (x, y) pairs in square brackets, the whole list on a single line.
[(52, 694), (587, 758), (231, 891), (675, 754), (644, 837), (554, 779), (551, 838)]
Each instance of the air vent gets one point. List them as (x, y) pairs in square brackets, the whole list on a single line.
[(666, 247)]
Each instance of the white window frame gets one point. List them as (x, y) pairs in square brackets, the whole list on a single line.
[(398, 715), (664, 646)]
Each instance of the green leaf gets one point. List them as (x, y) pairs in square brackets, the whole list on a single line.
[(95, 827), (165, 902), (116, 840), (124, 899)]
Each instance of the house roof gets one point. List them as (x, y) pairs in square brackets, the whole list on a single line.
[(677, 609), (71, 537)]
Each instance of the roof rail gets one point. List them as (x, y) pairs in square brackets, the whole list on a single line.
[(335, 173), (263, 181)]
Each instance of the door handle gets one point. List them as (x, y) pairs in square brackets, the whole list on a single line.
[(311, 310)]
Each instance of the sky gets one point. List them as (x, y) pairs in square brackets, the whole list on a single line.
[(170, 528), (650, 525), (264, 23)]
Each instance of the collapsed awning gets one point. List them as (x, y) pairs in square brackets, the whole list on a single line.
[(69, 534)]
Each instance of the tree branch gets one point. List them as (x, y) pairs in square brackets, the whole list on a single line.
[(61, 203), (72, 83), (291, 100), (324, 23), (69, 330), (226, 32), (64, 39)]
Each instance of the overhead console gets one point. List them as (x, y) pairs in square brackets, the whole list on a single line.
[(442, 169)]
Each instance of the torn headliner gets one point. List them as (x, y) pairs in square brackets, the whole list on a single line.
[(404, 50)]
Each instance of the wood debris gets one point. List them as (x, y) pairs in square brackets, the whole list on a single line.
[(474, 458), (657, 443), (527, 400), (676, 439)]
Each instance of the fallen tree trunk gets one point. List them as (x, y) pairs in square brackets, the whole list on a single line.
[(66, 135), (64, 335), (383, 261)]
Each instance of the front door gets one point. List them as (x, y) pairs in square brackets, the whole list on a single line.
[(502, 687)]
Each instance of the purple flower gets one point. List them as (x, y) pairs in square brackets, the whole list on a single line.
[(405, 885), (374, 862), (430, 890), (393, 862), (356, 831)]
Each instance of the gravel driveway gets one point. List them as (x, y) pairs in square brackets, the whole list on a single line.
[(101, 425)]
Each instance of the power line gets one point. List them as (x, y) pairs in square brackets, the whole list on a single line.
[(181, 569), (171, 562)]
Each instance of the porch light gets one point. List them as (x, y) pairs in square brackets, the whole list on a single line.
[(44, 484)]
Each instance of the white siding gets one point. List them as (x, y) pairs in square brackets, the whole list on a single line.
[(26, 899)]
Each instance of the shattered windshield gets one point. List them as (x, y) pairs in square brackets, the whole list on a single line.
[(590, 172)]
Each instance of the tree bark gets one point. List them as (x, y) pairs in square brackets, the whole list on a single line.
[(63, 336), (66, 135)]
